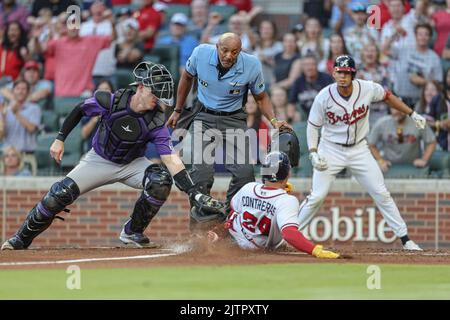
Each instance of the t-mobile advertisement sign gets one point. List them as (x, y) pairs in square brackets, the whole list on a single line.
[(362, 227)]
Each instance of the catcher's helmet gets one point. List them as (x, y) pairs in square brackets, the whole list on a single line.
[(345, 63), (276, 167), (286, 141), (157, 78)]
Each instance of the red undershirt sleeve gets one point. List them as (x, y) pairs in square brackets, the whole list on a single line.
[(296, 239)]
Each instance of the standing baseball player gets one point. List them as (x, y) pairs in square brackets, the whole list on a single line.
[(341, 110), (265, 214), (129, 120), (225, 75)]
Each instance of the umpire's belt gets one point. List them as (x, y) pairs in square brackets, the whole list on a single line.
[(220, 113)]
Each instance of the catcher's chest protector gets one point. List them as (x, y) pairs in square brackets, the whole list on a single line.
[(123, 134)]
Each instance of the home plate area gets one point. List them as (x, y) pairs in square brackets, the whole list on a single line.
[(199, 252)]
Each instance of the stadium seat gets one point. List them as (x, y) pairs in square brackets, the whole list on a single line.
[(406, 171), (445, 64), (117, 8), (123, 77), (30, 162), (50, 120), (326, 32), (169, 56), (175, 8), (440, 164), (226, 11), (64, 105), (162, 34), (152, 58), (305, 168), (45, 164), (72, 148), (300, 131)]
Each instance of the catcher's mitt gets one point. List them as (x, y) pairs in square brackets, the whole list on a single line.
[(207, 206)]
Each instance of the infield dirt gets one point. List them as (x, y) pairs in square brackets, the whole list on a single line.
[(198, 252)]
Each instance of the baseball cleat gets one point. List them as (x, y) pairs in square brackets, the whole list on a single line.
[(411, 246), (318, 252), (13, 244), (137, 239)]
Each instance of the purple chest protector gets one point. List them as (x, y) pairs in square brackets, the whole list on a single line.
[(123, 134)]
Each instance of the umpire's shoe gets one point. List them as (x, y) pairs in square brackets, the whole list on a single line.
[(15, 243), (138, 239)]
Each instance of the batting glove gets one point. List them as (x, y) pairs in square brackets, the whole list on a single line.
[(318, 162), (318, 252), (289, 187), (419, 120)]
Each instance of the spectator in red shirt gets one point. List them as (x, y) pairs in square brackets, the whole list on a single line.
[(441, 23), (13, 50), (73, 72), (120, 2), (245, 5), (176, 1), (150, 21), (385, 15)]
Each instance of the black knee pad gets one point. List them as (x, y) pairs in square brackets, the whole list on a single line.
[(61, 194), (157, 183)]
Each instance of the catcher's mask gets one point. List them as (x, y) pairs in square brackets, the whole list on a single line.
[(285, 140), (157, 78)]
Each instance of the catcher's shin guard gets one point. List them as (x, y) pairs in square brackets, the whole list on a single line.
[(34, 224), (144, 211), (157, 184), (61, 194)]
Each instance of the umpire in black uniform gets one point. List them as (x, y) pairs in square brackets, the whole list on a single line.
[(224, 74)]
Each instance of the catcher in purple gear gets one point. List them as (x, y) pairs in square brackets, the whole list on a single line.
[(129, 120)]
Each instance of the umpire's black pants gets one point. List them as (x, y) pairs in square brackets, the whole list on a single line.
[(210, 132)]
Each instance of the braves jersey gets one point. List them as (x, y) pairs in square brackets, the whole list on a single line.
[(260, 213), (345, 121)]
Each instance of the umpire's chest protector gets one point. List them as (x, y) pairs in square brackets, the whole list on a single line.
[(123, 134)]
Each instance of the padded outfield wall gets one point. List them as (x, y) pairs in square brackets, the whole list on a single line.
[(347, 217)]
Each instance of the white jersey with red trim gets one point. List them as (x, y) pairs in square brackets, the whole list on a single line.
[(260, 213), (345, 121)]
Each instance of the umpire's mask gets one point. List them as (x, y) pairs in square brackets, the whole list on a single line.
[(157, 78)]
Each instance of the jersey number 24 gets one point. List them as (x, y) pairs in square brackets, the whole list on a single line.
[(250, 222)]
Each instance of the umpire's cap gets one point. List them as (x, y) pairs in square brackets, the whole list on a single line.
[(156, 77), (276, 167)]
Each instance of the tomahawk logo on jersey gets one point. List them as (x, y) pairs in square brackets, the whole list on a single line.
[(259, 215), (345, 121)]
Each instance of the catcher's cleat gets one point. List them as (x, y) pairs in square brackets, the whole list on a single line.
[(318, 252), (15, 243), (137, 239), (411, 246)]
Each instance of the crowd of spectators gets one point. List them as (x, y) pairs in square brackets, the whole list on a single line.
[(48, 51)]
